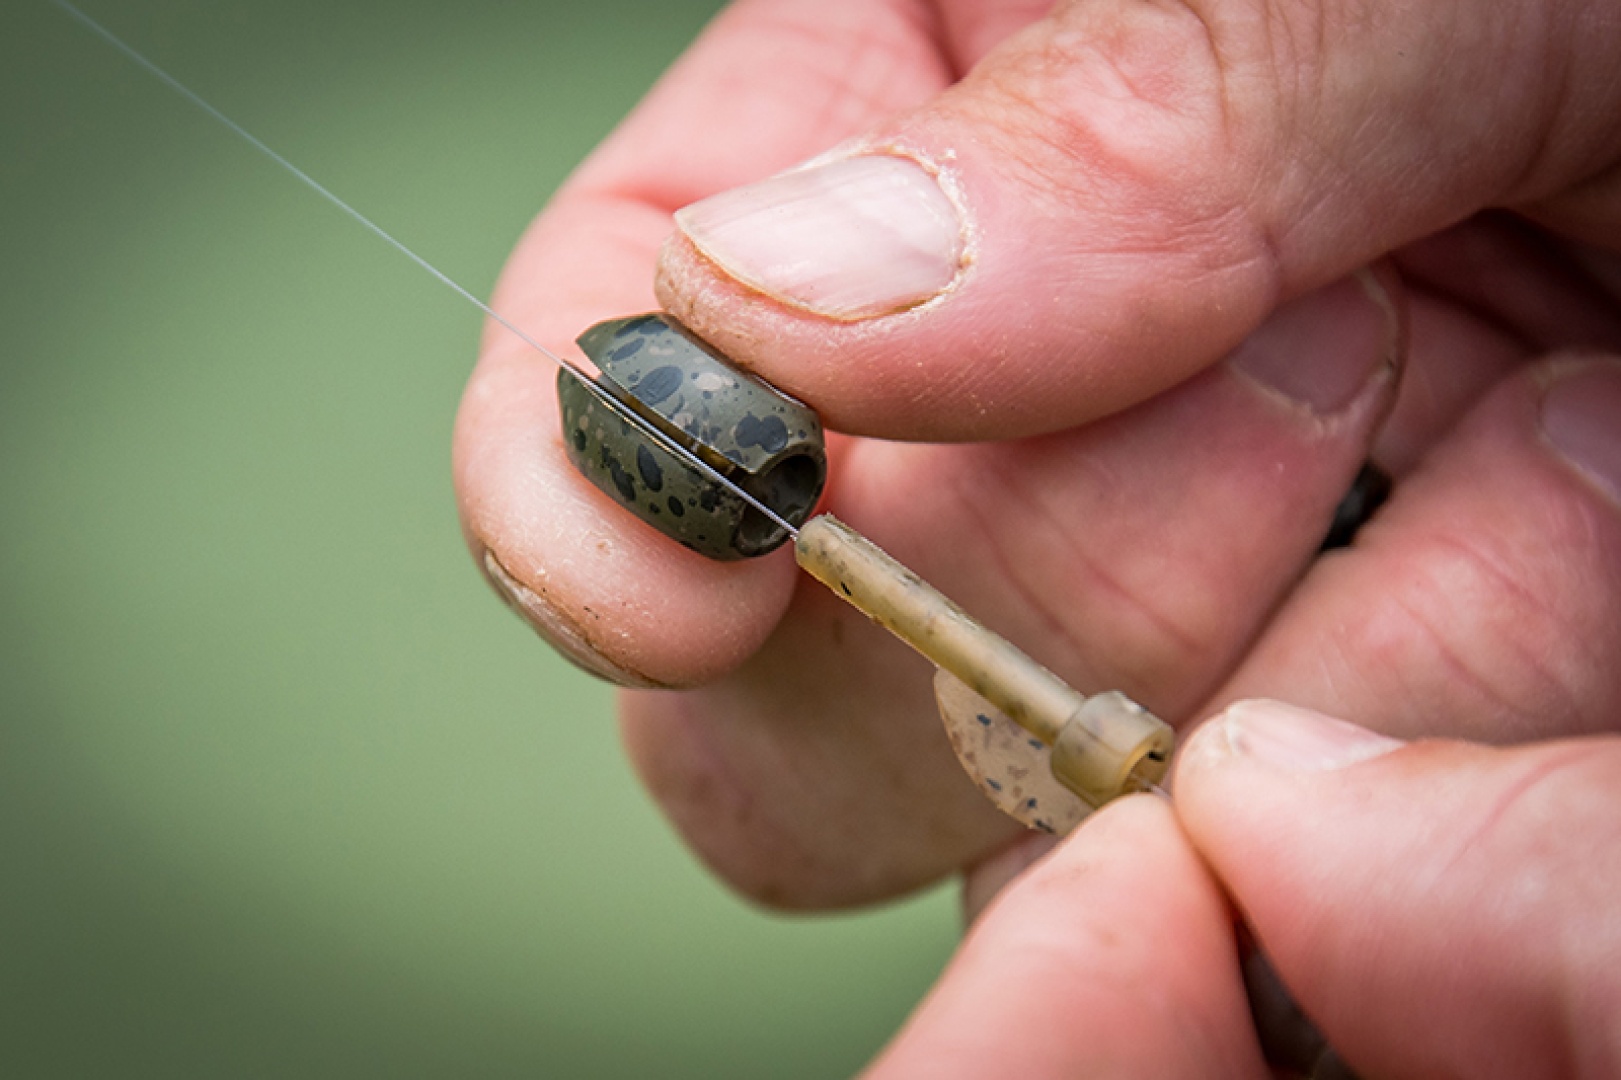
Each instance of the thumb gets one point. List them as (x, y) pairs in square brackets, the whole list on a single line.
[(1119, 193), (1439, 909)]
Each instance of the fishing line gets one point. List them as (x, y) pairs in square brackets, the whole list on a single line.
[(1101, 746), (630, 415)]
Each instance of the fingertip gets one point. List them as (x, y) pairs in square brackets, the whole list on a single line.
[(1116, 947), (1252, 777), (1120, 847), (1421, 911), (1285, 738), (614, 596), (554, 626), (1331, 348), (916, 284)]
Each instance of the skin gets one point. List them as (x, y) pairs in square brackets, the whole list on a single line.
[(1149, 189), (1412, 901)]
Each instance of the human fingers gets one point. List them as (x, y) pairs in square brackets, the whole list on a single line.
[(1116, 195), (1485, 297), (1141, 553), (617, 598), (1484, 600), (1112, 957), (1438, 909)]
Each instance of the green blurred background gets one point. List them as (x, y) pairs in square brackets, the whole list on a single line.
[(283, 789)]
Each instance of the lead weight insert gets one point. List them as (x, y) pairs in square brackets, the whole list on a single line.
[(753, 434)]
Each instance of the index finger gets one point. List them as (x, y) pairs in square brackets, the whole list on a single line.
[(766, 85), (1114, 956)]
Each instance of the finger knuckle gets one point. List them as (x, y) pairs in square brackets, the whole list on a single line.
[(1126, 108), (1115, 85)]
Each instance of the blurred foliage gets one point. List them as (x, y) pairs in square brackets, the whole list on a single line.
[(283, 789)]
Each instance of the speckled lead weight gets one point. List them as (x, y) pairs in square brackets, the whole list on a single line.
[(757, 437), (1103, 746)]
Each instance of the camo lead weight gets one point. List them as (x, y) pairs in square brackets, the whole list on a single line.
[(675, 387), (760, 439)]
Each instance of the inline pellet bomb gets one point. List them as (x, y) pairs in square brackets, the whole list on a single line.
[(760, 439)]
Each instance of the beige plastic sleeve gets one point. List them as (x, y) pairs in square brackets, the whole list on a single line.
[(1102, 747)]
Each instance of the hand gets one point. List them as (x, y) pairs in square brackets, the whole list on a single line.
[(1440, 909), (1123, 240)]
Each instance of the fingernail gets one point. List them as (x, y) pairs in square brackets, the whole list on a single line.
[(1581, 418), (556, 630), (1300, 740), (851, 239), (1321, 349)]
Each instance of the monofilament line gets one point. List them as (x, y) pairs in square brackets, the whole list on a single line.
[(628, 414)]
